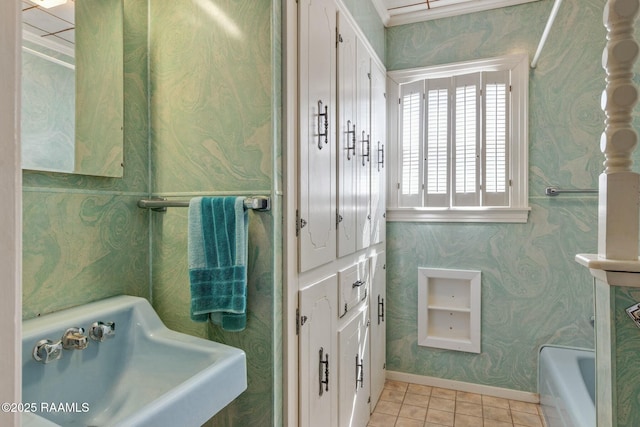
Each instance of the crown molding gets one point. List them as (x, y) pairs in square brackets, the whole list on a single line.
[(385, 17), (410, 15)]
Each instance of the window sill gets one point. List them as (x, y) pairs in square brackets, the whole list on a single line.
[(506, 215)]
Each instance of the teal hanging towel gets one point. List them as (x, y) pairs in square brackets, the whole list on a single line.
[(217, 252)]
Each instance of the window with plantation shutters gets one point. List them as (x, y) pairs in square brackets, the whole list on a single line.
[(462, 142)]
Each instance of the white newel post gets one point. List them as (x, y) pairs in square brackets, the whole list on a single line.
[(618, 217), (616, 267)]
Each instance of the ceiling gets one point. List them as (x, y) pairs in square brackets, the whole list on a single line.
[(398, 12), (57, 23), (54, 24)]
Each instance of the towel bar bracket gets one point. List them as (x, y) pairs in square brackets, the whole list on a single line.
[(554, 191), (153, 204)]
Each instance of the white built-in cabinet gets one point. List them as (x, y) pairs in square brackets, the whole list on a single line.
[(317, 118), (340, 219), (378, 147), (378, 329)]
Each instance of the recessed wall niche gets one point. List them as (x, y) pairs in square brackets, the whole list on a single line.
[(449, 309)]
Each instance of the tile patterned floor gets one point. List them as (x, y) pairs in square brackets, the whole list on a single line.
[(411, 405)]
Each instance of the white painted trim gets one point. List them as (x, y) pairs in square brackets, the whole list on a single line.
[(48, 43), (597, 262), (504, 393), (49, 58), (383, 13), (498, 63), (290, 344), (466, 303), (419, 13), (11, 213), (344, 12), (519, 153), (497, 215)]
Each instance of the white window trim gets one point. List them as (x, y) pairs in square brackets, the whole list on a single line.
[(518, 212), (418, 13)]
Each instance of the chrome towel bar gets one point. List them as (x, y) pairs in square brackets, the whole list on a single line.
[(554, 191), (258, 203)]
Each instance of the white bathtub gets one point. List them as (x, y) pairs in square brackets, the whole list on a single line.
[(566, 383)]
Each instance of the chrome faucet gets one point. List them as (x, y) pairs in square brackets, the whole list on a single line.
[(74, 338), (100, 331), (46, 351)]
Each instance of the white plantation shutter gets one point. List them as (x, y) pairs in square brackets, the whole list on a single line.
[(496, 138), (411, 107), (437, 133), (462, 150), (466, 140), (455, 136)]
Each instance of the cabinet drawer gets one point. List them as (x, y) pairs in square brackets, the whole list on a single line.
[(353, 286)]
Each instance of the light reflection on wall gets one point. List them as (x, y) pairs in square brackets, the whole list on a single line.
[(220, 18)]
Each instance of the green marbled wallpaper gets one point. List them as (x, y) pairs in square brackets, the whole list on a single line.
[(277, 241), (211, 96), (99, 87), (365, 14), (84, 239), (80, 248), (604, 306), (617, 367), (533, 292), (627, 363), (215, 111)]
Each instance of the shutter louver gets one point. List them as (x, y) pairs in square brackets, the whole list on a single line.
[(411, 158), (466, 139), (410, 144), (437, 142), (496, 137), (496, 134), (466, 161), (437, 158)]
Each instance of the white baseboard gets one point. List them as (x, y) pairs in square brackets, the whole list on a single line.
[(504, 393)]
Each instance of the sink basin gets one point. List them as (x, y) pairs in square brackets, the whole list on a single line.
[(143, 375)]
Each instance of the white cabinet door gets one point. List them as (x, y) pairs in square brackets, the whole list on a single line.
[(354, 385), (317, 165), (347, 138), (378, 159), (363, 211), (378, 326), (318, 354)]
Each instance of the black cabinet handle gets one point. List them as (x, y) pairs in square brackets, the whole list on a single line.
[(323, 371), (325, 132)]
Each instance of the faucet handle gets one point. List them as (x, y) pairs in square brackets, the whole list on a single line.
[(46, 351), (100, 331), (74, 338)]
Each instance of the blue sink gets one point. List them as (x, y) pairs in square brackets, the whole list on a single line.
[(143, 375)]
